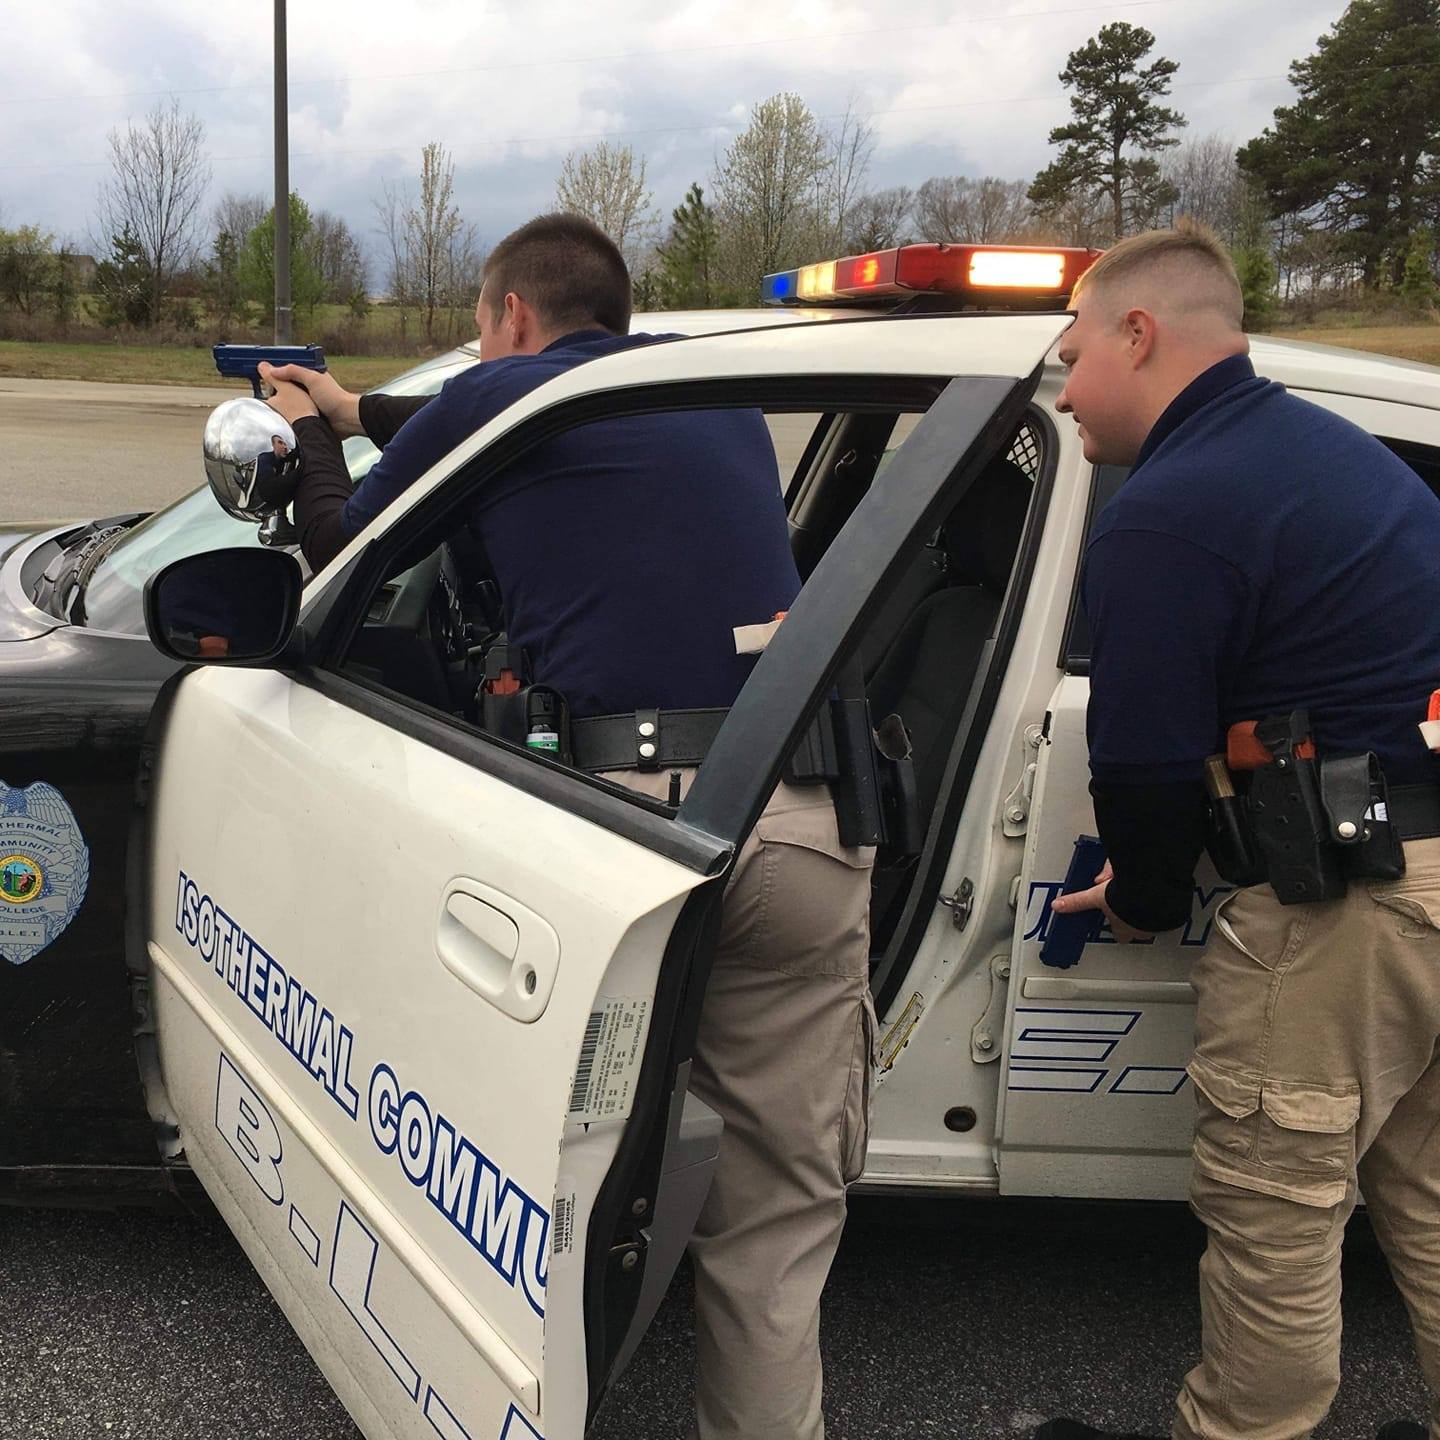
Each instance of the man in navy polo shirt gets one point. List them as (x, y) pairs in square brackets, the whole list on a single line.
[(627, 552), (1264, 556)]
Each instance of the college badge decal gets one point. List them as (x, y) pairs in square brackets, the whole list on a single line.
[(44, 868)]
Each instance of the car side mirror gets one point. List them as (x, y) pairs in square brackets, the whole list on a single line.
[(225, 607)]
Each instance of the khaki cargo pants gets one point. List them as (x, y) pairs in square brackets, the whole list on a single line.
[(784, 1055), (1317, 1063)]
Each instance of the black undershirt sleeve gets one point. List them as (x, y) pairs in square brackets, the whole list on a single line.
[(325, 483), (382, 415), (1153, 835), (324, 488)]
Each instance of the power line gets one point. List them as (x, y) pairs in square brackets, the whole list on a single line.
[(769, 42)]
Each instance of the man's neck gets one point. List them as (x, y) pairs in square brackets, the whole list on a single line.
[(1189, 396)]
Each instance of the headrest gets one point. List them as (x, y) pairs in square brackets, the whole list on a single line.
[(982, 533)]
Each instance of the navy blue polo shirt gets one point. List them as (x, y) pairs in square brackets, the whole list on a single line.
[(1264, 555), (627, 550)]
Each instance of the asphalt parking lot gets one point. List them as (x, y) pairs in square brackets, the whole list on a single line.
[(968, 1322), (71, 450)]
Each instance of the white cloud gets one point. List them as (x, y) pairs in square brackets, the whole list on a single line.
[(510, 87)]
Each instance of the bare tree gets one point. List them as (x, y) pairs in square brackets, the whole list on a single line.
[(942, 209), (764, 189), (851, 146), (336, 255), (1084, 218), (1001, 210), (432, 255), (607, 185), (431, 230), (390, 211), (158, 178), (878, 221), (1208, 184), (237, 215), (982, 212)]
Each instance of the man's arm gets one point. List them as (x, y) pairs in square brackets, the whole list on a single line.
[(381, 416), (374, 415), (1170, 621), (322, 494), (328, 513)]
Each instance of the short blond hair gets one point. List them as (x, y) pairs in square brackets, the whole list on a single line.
[(1193, 258)]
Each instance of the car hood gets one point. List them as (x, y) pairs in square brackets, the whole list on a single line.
[(19, 619), (11, 536)]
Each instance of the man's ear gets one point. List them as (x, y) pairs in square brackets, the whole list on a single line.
[(515, 317), (1138, 333)]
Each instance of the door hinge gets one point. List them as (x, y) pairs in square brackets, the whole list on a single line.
[(1015, 809), (961, 903), (985, 1037)]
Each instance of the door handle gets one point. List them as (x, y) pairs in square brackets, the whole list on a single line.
[(500, 949)]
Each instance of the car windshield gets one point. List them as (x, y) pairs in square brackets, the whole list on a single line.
[(196, 523)]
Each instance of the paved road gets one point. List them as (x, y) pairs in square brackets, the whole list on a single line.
[(71, 450), (78, 450), (955, 1323)]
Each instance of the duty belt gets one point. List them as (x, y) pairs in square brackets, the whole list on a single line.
[(645, 739), (1415, 811)]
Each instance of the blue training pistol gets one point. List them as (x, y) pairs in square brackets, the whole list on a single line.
[(242, 362)]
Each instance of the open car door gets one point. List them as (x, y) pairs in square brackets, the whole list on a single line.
[(1095, 1100), (424, 1003)]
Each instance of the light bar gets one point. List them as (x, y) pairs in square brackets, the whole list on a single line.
[(1017, 270), (1019, 274)]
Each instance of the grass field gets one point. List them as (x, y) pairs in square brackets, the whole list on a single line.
[(1407, 342), (192, 365), (161, 364)]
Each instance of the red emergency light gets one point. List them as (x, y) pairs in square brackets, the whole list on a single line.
[(994, 274)]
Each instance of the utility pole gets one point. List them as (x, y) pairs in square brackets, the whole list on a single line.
[(282, 185)]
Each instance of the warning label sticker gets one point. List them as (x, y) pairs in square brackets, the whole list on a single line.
[(610, 1055)]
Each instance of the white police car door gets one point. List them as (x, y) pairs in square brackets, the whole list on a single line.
[(1094, 1097), (423, 1003)]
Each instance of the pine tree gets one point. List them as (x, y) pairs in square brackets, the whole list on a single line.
[(1254, 257), (687, 278), (1417, 283), (1118, 124), (1360, 147), (222, 279), (124, 284)]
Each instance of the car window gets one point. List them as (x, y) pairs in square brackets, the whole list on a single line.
[(1075, 651), (428, 626), (196, 523)]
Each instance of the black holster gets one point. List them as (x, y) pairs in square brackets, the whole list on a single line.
[(1357, 805), (1288, 815), (1308, 826), (871, 775), (515, 716)]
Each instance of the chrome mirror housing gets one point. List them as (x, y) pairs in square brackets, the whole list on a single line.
[(252, 459)]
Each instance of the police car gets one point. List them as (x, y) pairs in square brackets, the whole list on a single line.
[(415, 1005)]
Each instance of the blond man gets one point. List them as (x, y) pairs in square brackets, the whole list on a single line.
[(1265, 556)]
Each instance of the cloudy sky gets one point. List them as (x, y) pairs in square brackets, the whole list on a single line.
[(510, 86)]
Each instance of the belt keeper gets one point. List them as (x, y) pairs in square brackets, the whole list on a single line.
[(647, 739)]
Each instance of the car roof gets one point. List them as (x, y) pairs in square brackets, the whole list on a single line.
[(1306, 366), (711, 322), (1296, 363)]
